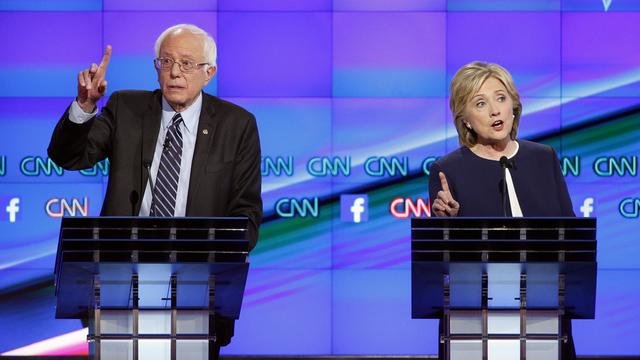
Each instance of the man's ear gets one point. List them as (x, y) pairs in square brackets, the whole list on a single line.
[(211, 72)]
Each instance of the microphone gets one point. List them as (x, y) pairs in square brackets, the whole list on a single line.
[(147, 166), (508, 163), (505, 163), (167, 144), (133, 199)]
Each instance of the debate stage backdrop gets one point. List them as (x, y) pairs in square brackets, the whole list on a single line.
[(351, 99)]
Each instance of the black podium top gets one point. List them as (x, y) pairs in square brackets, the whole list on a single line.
[(115, 248), (467, 248), (503, 239)]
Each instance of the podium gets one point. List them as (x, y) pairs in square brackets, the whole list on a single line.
[(151, 288), (502, 286)]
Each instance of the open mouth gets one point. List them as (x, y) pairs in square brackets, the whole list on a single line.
[(498, 124)]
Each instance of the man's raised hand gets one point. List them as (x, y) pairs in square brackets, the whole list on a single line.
[(92, 84)]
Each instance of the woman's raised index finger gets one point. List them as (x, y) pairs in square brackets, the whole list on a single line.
[(443, 182)]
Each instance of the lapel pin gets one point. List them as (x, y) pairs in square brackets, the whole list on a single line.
[(205, 131)]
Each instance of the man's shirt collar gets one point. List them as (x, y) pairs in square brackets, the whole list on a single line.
[(190, 115)]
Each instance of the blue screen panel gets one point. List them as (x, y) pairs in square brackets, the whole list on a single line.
[(275, 54), (609, 159), (19, 314), (540, 117), (51, 5), (578, 111), (284, 312), (617, 217), (383, 5), (295, 243), (32, 247), (378, 243), (371, 307), (380, 239), (171, 6), (504, 5), (600, 6), (404, 131), (47, 63), (388, 54), (603, 39), (24, 154), (616, 303), (516, 41), (274, 5)]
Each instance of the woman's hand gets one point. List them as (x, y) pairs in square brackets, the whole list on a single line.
[(445, 204)]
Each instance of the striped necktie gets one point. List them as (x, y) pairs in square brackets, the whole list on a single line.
[(166, 188)]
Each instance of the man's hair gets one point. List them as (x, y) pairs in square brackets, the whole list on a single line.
[(466, 83), (210, 49)]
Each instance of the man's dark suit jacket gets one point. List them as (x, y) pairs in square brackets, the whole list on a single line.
[(225, 172)]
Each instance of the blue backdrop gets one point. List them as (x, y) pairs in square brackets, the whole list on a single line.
[(351, 98)]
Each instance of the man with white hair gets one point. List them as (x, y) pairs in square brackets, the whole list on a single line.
[(202, 153)]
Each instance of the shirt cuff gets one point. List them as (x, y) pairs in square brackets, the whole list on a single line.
[(78, 116)]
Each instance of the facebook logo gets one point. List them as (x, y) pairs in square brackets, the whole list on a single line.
[(354, 208), (587, 207), (9, 208)]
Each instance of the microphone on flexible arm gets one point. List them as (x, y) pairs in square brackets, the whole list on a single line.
[(133, 200), (147, 166), (506, 163), (167, 144)]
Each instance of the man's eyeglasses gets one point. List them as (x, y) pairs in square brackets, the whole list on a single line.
[(186, 66)]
